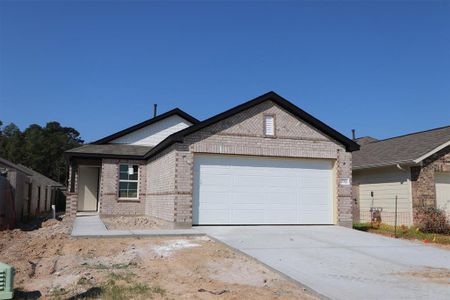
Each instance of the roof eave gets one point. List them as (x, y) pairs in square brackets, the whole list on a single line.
[(71, 155), (406, 163), (429, 153)]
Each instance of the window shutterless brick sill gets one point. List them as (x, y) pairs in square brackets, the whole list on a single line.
[(128, 201)]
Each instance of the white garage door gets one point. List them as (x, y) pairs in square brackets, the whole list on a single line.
[(249, 190)]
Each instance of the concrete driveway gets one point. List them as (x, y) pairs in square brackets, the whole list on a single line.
[(341, 263)]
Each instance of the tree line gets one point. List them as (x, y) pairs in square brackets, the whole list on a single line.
[(39, 148)]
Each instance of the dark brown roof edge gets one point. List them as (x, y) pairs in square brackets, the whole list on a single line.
[(123, 132), (70, 155), (411, 133), (290, 107)]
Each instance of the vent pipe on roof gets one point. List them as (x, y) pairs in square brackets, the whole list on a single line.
[(155, 106), (353, 134)]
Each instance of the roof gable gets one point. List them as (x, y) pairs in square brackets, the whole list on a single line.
[(152, 131), (270, 96)]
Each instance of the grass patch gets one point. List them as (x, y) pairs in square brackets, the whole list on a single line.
[(404, 232), (127, 277), (117, 286), (114, 291)]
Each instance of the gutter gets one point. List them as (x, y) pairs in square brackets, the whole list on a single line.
[(404, 163)]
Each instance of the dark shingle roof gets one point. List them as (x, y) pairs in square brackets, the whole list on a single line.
[(401, 149), (35, 173), (15, 166), (365, 140), (99, 149), (109, 150)]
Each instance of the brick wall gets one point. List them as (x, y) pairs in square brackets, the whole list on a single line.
[(166, 181), (109, 202), (344, 192), (423, 181), (242, 134), (71, 204), (160, 199)]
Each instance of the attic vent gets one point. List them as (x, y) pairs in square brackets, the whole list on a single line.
[(269, 125)]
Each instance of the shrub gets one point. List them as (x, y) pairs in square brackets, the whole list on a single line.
[(430, 219)]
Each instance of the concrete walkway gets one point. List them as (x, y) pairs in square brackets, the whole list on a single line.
[(341, 263), (92, 226)]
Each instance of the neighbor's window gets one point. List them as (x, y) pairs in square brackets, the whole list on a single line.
[(128, 181), (269, 125)]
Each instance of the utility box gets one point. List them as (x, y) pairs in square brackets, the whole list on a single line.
[(6, 281)]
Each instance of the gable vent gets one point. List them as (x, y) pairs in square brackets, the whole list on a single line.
[(269, 125)]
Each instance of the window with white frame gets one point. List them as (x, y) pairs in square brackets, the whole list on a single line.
[(269, 125), (128, 181)]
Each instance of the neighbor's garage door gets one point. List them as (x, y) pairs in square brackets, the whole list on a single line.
[(252, 190)]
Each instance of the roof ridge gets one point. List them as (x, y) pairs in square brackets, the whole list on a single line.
[(407, 134), (272, 96)]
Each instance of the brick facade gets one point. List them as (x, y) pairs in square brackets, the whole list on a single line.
[(423, 181), (109, 201), (160, 199), (166, 180), (242, 134)]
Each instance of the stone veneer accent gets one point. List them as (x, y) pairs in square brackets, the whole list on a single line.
[(423, 181)]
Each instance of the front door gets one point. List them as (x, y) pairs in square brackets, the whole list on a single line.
[(88, 178)]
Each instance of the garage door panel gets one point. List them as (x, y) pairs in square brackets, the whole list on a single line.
[(213, 216), (246, 216), (282, 216), (276, 181), (261, 190), (286, 199)]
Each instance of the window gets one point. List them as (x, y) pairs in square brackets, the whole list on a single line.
[(128, 181), (269, 125)]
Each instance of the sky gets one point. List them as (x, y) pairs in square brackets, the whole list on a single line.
[(381, 67)]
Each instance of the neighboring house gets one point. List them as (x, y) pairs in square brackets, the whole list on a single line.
[(415, 168), (263, 162), (24, 192)]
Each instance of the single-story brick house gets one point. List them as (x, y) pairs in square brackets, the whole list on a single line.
[(414, 167), (265, 161)]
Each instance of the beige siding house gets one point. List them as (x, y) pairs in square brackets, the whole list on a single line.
[(24, 193), (265, 161), (380, 187), (414, 169)]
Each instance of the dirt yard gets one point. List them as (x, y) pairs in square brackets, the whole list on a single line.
[(134, 222), (52, 265)]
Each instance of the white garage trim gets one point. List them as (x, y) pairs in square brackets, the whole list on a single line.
[(235, 190)]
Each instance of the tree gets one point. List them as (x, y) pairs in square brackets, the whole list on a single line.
[(12, 144), (40, 148)]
